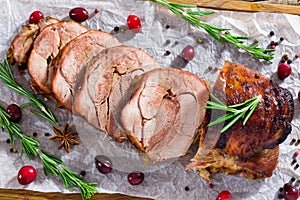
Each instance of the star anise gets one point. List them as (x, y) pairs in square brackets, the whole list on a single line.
[(66, 137)]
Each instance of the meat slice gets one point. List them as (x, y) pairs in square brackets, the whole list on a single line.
[(21, 45), (73, 57), (46, 47), (165, 111), (268, 126), (105, 84)]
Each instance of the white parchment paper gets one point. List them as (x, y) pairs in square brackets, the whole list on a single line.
[(165, 180)]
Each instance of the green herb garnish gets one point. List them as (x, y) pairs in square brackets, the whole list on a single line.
[(233, 112), (52, 165), (220, 34), (7, 77)]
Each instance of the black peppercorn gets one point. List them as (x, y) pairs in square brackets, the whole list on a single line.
[(82, 173), (116, 29), (289, 61), (8, 141), (281, 39), (13, 150), (167, 42), (293, 161), (280, 196), (282, 61), (285, 57), (296, 166), (34, 134), (271, 33), (293, 179), (186, 188), (280, 189), (167, 26), (47, 134), (167, 53)]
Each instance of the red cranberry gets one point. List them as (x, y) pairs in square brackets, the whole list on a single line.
[(15, 112), (134, 23), (283, 71), (103, 164), (79, 14), (35, 17), (188, 53), (26, 175), (224, 195), (290, 192), (135, 178)]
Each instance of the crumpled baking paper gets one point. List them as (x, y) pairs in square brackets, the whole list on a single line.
[(166, 180)]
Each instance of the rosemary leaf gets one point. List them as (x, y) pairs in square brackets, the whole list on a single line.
[(180, 5), (227, 126), (6, 75), (52, 165), (199, 13), (217, 100), (215, 106), (252, 108), (222, 119), (237, 111), (181, 11)]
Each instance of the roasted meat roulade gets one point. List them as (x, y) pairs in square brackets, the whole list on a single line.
[(250, 149)]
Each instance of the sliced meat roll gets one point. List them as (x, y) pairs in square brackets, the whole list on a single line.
[(164, 112), (21, 45), (250, 150), (105, 83), (73, 57), (46, 47)]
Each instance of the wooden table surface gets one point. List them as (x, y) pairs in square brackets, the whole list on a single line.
[(257, 6)]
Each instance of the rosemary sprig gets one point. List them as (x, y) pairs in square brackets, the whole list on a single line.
[(220, 34), (52, 165), (7, 77), (233, 112)]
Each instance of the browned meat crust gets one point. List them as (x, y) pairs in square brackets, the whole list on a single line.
[(269, 125), (250, 150)]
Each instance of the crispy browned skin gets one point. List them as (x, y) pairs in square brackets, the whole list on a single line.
[(250, 150), (269, 124)]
